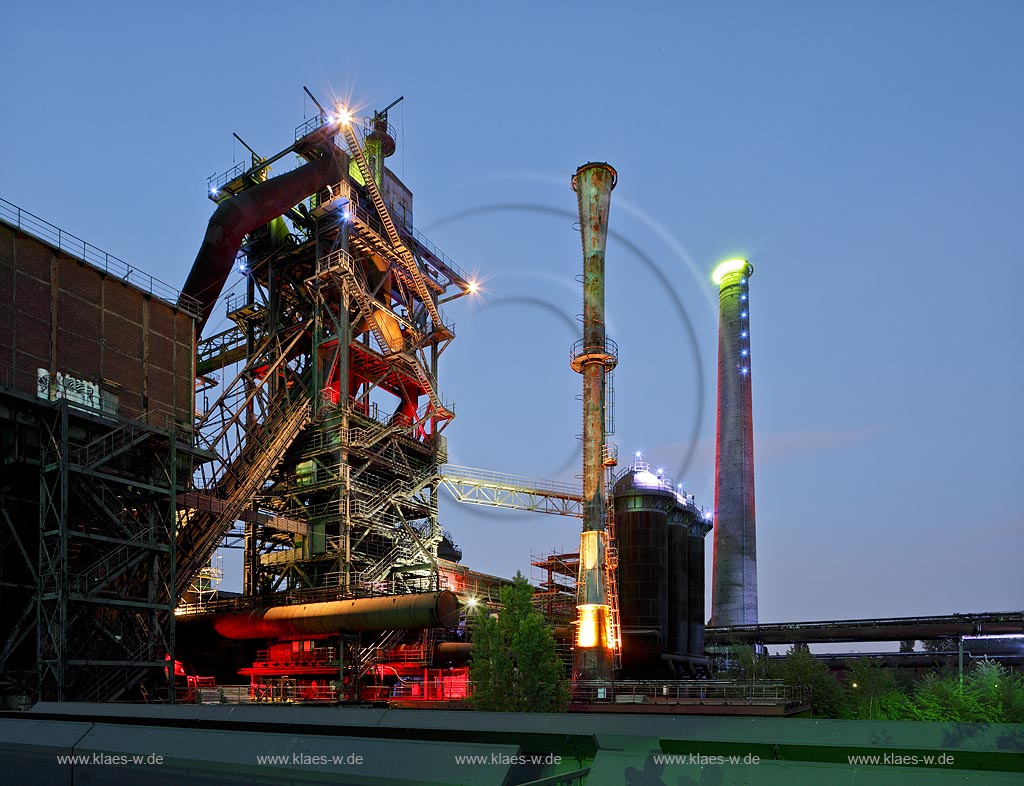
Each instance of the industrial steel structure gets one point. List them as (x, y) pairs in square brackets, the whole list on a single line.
[(328, 437), (96, 369), (143, 430), (597, 626)]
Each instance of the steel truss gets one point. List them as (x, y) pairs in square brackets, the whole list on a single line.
[(90, 511), (334, 491)]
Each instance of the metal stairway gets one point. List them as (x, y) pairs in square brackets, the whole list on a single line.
[(365, 438), (339, 264), (394, 491), (429, 385), (370, 655), (402, 551), (406, 256), (198, 540), (109, 445)]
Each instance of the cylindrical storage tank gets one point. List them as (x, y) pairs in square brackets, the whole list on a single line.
[(642, 502), (678, 588), (699, 529)]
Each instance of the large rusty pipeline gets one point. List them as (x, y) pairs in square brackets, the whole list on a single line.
[(361, 615), (593, 358), (238, 215)]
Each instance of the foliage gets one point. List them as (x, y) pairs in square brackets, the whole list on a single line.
[(869, 684), (799, 668), (989, 694), (514, 667), (945, 644), (749, 663)]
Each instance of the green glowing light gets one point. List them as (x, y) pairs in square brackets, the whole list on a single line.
[(727, 267)]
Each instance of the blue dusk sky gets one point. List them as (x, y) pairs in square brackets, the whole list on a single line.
[(866, 157)]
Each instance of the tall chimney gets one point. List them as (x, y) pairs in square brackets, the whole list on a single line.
[(593, 356), (734, 572)]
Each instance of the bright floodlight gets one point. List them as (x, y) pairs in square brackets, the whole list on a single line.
[(727, 267), (343, 117), (471, 602), (472, 286)]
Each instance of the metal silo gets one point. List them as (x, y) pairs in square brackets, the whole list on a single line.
[(699, 528), (642, 503), (679, 519)]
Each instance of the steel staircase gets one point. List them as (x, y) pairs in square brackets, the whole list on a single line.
[(402, 551), (107, 446), (360, 437), (429, 385), (243, 477), (115, 684), (370, 655), (406, 256)]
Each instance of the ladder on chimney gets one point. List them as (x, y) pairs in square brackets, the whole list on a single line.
[(611, 567)]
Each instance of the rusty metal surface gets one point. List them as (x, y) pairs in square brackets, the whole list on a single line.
[(435, 609), (593, 184)]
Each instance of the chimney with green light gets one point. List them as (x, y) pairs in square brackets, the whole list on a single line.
[(734, 570)]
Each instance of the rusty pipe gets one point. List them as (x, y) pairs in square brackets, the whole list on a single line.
[(238, 215), (361, 615)]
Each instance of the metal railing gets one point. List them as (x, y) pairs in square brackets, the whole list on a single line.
[(437, 253), (214, 182), (74, 246), (158, 419), (309, 126), (608, 353), (690, 692), (512, 482)]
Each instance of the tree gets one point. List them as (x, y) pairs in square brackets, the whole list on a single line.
[(800, 668), (944, 644), (875, 693), (514, 666)]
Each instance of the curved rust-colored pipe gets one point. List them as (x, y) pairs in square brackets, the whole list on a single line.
[(240, 214), (405, 612)]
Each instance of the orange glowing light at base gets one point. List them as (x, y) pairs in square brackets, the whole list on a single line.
[(594, 628)]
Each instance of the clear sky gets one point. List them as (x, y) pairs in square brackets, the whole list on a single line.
[(866, 157)]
